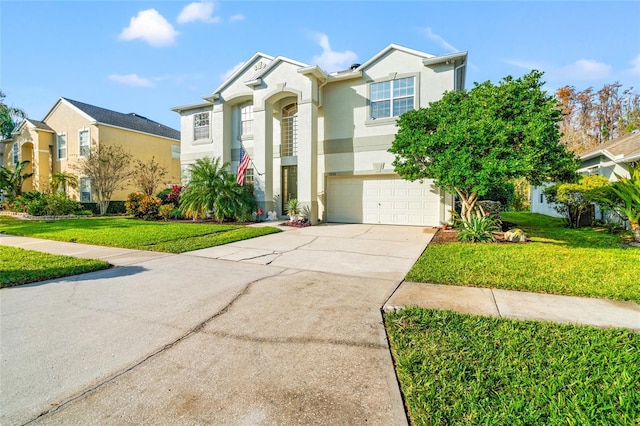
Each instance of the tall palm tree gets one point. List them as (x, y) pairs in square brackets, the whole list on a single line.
[(11, 179)]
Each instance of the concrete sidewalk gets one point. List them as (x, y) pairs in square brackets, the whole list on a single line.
[(517, 304)]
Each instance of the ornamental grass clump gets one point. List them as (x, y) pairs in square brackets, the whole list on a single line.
[(478, 229)]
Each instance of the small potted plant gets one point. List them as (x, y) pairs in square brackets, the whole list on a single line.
[(293, 209)]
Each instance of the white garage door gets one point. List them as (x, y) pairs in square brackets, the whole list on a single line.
[(387, 200)]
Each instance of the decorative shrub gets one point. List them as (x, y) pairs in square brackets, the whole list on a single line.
[(36, 205), (478, 229), (171, 195), (149, 207), (59, 204), (132, 204), (165, 211)]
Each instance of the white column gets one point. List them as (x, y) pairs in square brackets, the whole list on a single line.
[(263, 156), (308, 157)]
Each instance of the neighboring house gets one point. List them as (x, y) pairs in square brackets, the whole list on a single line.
[(67, 133), (609, 159), (323, 138)]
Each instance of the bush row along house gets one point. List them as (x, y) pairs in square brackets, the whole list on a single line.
[(68, 131), (322, 138), (609, 159)]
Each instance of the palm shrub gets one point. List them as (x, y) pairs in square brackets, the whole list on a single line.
[(206, 181), (627, 199), (212, 190), (293, 208), (478, 230), (235, 202)]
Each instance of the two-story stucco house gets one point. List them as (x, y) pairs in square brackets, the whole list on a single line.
[(68, 131), (323, 138)]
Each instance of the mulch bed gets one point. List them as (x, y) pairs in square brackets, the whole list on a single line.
[(451, 235)]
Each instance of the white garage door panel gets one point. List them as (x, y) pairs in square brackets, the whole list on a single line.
[(387, 200)]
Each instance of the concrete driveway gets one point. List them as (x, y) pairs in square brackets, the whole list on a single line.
[(279, 329)]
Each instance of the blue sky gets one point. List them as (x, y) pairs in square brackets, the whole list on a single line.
[(147, 57)]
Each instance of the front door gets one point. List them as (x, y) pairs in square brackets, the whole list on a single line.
[(289, 185)]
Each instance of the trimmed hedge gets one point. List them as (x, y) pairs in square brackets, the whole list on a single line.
[(115, 207)]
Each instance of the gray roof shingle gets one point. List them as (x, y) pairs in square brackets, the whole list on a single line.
[(40, 124), (627, 146), (130, 121)]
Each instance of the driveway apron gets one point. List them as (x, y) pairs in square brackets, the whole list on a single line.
[(279, 329)]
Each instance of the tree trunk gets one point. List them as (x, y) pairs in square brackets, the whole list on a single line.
[(104, 205), (635, 229), (469, 205)]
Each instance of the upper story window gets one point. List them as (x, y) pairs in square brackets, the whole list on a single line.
[(392, 98), (83, 138), (246, 120), (201, 126), (61, 145), (15, 153), (289, 128)]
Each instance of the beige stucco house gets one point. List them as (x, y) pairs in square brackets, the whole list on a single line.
[(68, 131), (323, 138)]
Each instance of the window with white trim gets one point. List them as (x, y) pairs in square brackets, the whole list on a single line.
[(392, 98), (175, 151), (249, 175), (83, 143), (61, 146), (15, 153), (85, 190), (201, 126), (246, 120), (289, 131)]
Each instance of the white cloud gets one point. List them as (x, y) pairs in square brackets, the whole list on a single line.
[(580, 70), (131, 80), (151, 27), (441, 41), (230, 71), (330, 60), (237, 17), (584, 69), (635, 69), (198, 11)]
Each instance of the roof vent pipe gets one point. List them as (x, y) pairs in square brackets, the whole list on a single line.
[(354, 66)]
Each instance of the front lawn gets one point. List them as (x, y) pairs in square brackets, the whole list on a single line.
[(558, 260), (463, 369), (21, 266), (168, 237)]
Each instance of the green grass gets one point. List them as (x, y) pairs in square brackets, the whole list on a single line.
[(168, 237), (21, 266), (470, 370), (578, 262)]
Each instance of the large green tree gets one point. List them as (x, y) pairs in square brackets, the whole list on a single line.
[(472, 141), (9, 117)]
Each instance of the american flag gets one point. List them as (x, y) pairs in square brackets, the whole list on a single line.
[(245, 160)]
